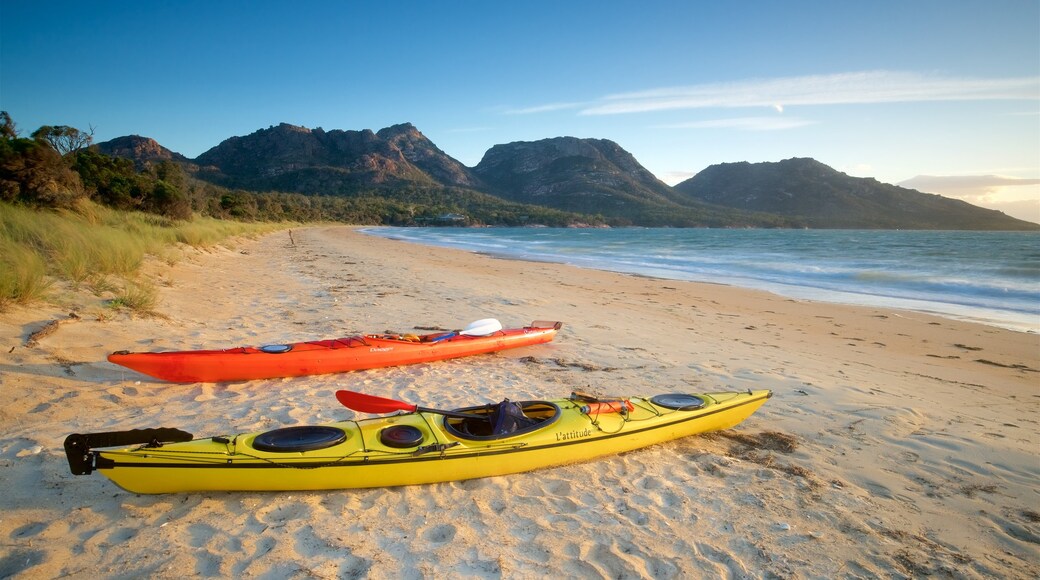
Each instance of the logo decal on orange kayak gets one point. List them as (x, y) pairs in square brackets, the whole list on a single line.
[(381, 349)]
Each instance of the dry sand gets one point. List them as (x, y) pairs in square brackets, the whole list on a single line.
[(897, 445)]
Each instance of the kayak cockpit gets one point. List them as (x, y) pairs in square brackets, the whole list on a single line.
[(502, 420)]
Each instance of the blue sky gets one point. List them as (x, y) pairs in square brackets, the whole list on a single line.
[(943, 96)]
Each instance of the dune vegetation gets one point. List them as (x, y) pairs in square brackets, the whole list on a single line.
[(72, 218), (99, 248)]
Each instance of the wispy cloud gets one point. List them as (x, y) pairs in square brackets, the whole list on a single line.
[(469, 129), (543, 108), (674, 177), (1017, 197), (833, 89), (744, 124), (978, 184)]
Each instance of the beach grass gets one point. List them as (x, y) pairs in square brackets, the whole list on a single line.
[(23, 274), (137, 296), (90, 243)]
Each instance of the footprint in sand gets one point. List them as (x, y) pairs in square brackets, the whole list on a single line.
[(876, 489), (566, 505), (560, 488), (19, 560), (440, 534), (201, 534), (29, 530), (1016, 530)]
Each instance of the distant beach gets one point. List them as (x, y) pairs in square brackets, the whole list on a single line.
[(898, 443)]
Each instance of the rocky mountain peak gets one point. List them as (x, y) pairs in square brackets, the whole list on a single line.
[(805, 189), (142, 150), (594, 176), (299, 159)]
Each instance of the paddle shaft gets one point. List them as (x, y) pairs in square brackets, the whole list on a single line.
[(455, 414), (373, 404)]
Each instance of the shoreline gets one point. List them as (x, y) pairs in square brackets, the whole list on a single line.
[(909, 440), (1008, 318)]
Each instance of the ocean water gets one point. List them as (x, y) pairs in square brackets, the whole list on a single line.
[(988, 277)]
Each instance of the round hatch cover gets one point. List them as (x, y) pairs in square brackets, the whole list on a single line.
[(679, 401), (401, 436), (275, 348), (303, 438)]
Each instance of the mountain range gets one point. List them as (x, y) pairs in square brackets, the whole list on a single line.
[(585, 177)]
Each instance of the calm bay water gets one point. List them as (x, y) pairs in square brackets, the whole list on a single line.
[(989, 277)]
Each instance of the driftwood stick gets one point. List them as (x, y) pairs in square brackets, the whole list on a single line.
[(48, 329)]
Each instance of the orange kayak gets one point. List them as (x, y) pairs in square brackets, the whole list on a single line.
[(337, 355)]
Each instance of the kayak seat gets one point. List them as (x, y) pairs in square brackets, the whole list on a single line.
[(509, 417), (503, 420), (301, 438)]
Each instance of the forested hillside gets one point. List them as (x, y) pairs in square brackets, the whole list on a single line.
[(56, 166)]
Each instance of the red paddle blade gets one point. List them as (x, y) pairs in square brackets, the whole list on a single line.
[(372, 404)]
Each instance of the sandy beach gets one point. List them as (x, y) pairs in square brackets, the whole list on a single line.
[(897, 444)]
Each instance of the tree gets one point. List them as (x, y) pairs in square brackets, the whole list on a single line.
[(171, 173), (33, 173), (64, 139), (7, 128), (111, 180), (170, 201)]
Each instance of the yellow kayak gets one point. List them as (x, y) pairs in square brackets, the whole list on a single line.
[(419, 447)]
